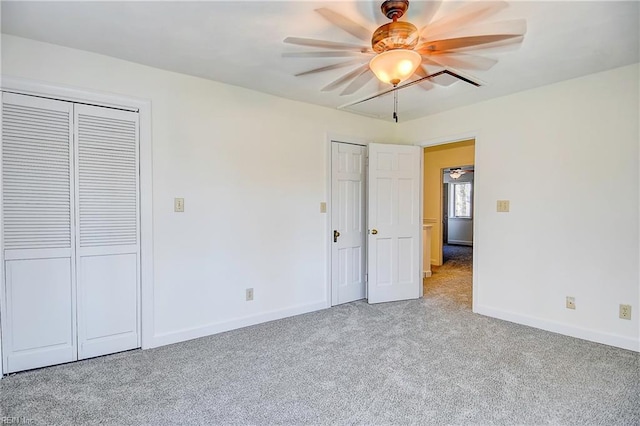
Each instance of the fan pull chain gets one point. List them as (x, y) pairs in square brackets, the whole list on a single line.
[(395, 105)]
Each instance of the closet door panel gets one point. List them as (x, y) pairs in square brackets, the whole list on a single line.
[(36, 173), (38, 309), (41, 324), (108, 303), (107, 242)]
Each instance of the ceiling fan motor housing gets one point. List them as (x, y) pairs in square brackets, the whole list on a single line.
[(394, 9), (395, 35)]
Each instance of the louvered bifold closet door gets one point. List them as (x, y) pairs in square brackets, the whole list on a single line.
[(108, 249), (38, 321)]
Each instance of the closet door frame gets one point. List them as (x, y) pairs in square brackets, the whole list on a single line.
[(143, 107)]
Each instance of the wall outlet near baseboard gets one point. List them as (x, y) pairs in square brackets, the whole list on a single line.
[(571, 302), (249, 294), (625, 311)]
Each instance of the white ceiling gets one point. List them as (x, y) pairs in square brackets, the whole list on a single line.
[(240, 43)]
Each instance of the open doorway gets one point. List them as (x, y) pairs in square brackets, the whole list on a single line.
[(448, 210), (457, 210)]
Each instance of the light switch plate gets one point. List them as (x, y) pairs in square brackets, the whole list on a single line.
[(178, 205), (502, 206), (323, 207)]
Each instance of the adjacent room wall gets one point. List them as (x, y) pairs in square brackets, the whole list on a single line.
[(437, 158), (460, 231), (566, 156), (252, 170)]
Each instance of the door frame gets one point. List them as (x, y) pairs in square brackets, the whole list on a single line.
[(459, 137), (143, 107), (330, 138)]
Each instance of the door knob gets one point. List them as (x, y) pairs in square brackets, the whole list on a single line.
[(336, 234), (374, 231)]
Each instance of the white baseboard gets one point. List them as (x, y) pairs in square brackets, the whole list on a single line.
[(561, 328), (460, 242), (215, 328)]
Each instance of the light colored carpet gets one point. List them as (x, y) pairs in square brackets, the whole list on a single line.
[(428, 361)]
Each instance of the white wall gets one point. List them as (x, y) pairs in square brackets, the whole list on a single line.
[(566, 155), (252, 170)]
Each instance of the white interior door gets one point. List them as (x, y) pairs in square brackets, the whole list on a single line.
[(348, 222), (38, 298), (394, 250), (107, 242)]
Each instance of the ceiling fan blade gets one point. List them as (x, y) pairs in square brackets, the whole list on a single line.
[(501, 46), (462, 42), (427, 60), (430, 10), (423, 73), (325, 44), (335, 54), (463, 61), (330, 67), (345, 78), (462, 16), (512, 27), (426, 85), (358, 82), (440, 79), (345, 23)]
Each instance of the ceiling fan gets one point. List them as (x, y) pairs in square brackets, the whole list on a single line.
[(398, 51), (457, 172)]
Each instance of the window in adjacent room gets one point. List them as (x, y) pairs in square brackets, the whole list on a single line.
[(460, 200)]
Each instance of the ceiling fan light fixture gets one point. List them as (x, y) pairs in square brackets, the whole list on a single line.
[(456, 173), (395, 66)]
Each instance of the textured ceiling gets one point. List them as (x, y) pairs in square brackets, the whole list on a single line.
[(240, 43)]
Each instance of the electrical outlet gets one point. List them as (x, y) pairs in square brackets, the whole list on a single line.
[(625, 312), (249, 294), (178, 205), (571, 302)]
